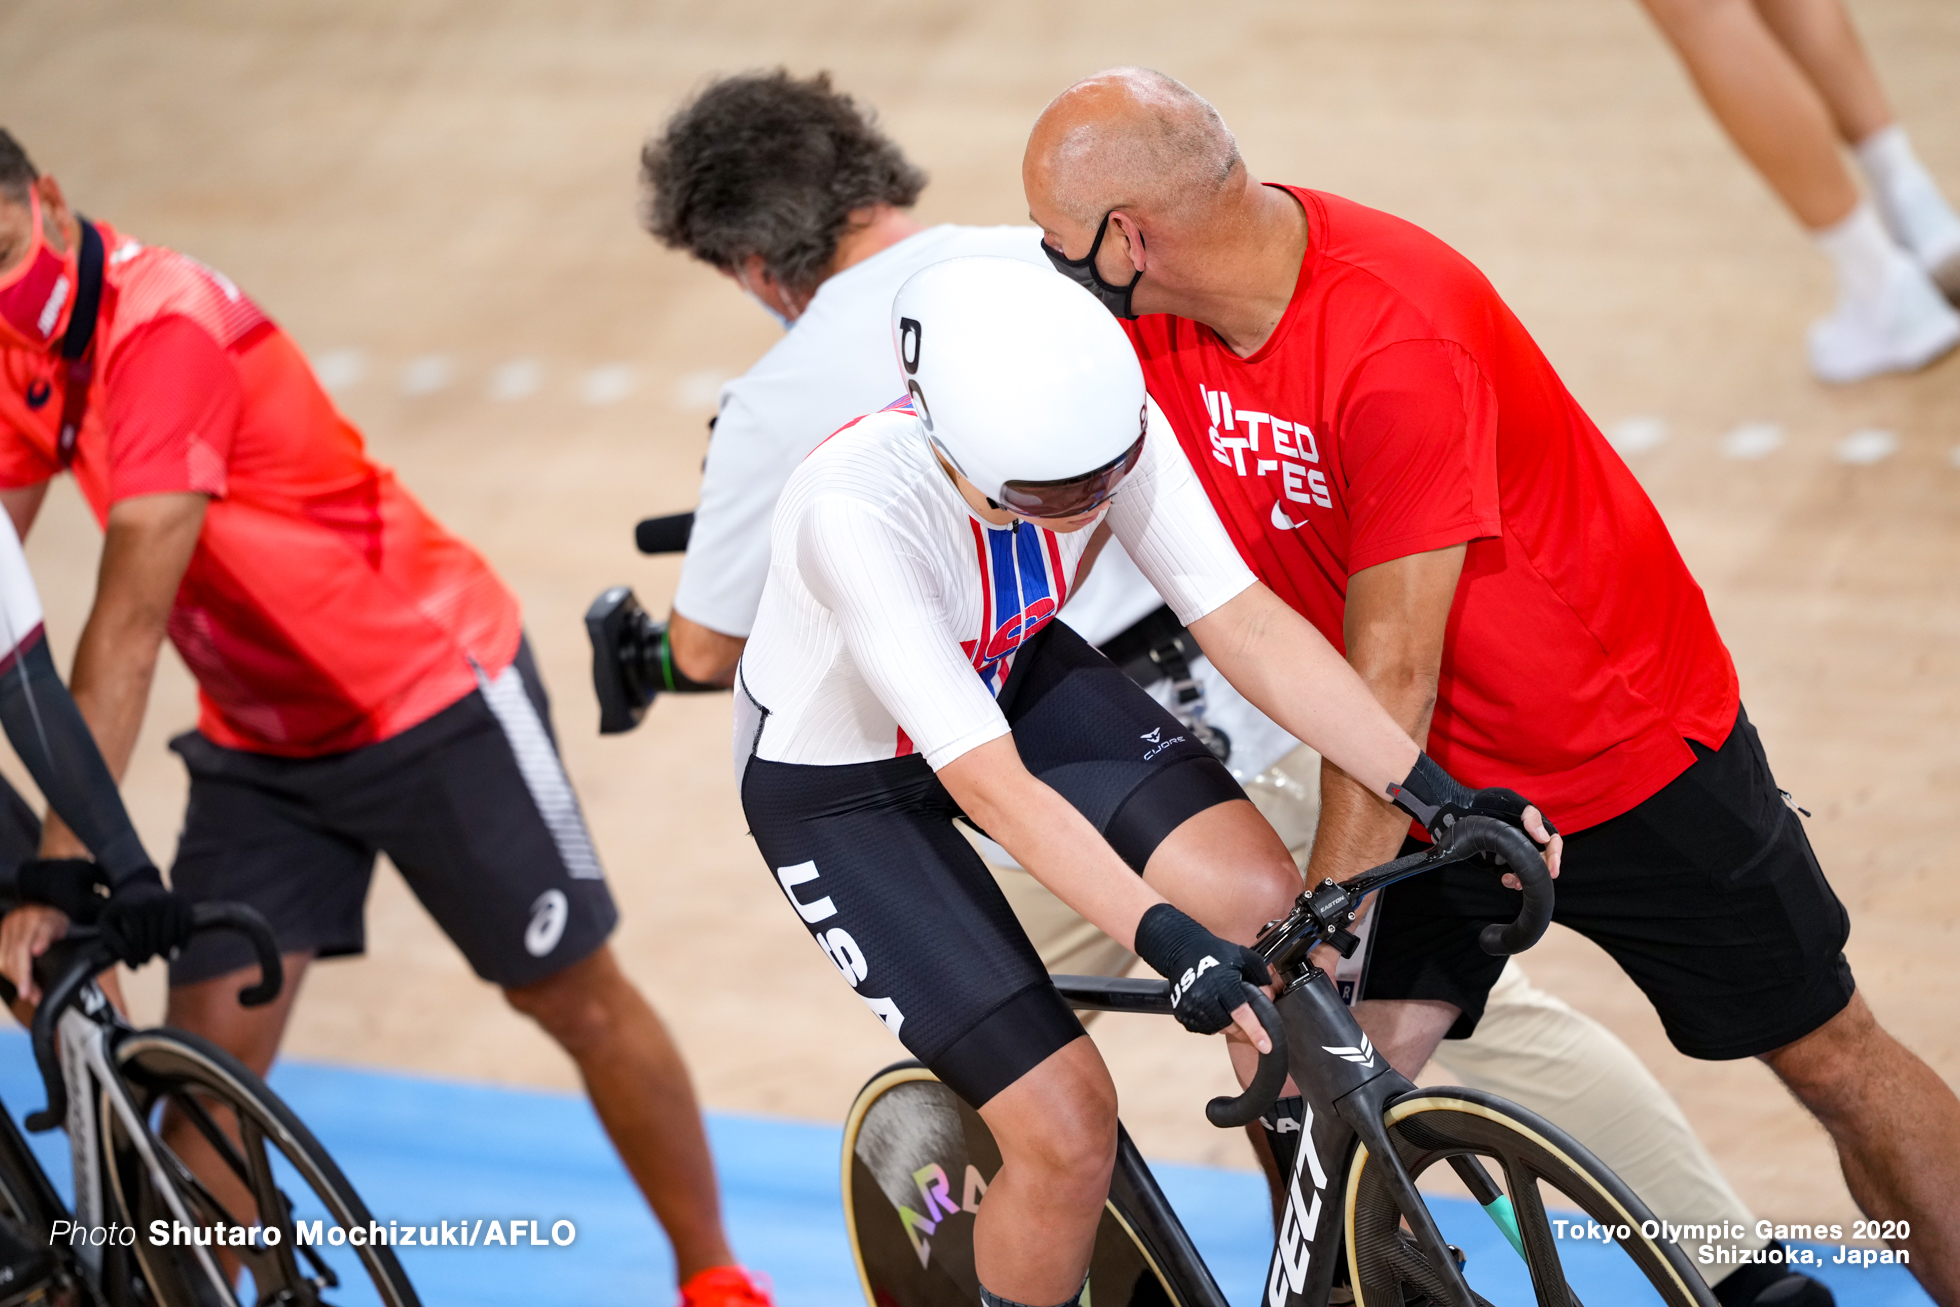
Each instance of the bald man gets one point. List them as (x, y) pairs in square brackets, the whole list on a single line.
[(1399, 462)]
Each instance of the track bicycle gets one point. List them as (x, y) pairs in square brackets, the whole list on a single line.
[(109, 1085), (1354, 1229)]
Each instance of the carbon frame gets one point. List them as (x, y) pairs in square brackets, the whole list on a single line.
[(1347, 1086)]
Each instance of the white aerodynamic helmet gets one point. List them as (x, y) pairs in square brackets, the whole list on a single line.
[(1024, 382)]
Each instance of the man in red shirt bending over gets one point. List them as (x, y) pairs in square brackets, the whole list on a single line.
[(1396, 458), (364, 683)]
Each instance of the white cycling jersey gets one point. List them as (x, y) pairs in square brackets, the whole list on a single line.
[(892, 614), (20, 602)]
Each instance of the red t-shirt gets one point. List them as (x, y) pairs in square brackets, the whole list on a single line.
[(324, 609), (1400, 407)]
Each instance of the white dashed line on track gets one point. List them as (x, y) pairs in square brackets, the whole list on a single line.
[(517, 379), (1638, 435), (339, 369), (428, 374), (1753, 440), (700, 388), (1863, 448), (607, 385)]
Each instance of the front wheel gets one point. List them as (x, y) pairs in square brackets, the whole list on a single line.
[(259, 1168), (1523, 1164), (917, 1162)]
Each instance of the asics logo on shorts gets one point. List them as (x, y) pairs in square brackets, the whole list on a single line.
[(548, 917)]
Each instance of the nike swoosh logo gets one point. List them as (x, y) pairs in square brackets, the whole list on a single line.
[(1283, 523)]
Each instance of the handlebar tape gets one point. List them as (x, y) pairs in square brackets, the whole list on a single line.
[(1474, 835), (1258, 1097)]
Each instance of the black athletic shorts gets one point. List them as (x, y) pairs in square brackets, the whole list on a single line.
[(471, 805), (1707, 895), (868, 855)]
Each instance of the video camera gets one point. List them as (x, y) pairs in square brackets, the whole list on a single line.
[(627, 644)]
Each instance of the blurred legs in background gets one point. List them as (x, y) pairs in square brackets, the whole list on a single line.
[(1788, 80)]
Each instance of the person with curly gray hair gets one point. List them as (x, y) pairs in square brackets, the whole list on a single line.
[(779, 183), (787, 187)]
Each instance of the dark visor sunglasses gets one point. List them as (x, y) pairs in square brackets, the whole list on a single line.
[(1070, 496)]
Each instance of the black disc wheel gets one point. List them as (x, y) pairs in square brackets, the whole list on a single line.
[(917, 1162), (1528, 1175), (284, 1207)]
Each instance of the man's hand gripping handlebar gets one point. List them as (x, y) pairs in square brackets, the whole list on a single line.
[(85, 953), (1322, 915)]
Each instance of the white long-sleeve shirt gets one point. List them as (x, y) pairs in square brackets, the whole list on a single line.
[(891, 613)]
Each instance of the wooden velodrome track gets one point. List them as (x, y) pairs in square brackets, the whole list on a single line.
[(458, 179)]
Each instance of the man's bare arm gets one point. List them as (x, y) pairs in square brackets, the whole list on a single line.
[(149, 543), (703, 654), (1397, 614)]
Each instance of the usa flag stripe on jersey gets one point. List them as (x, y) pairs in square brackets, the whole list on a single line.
[(1022, 585)]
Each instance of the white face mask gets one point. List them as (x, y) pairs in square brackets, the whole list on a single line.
[(742, 280)]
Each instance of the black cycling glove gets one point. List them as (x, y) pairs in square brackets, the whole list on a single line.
[(1436, 799), (76, 886), (1206, 972), (143, 920)]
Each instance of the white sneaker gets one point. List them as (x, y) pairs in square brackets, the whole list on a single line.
[(1919, 218), (1946, 275), (1901, 329)]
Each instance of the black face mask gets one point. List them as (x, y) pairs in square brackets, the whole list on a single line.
[(1084, 274)]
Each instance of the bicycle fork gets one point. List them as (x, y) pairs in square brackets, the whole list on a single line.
[(1347, 1085)]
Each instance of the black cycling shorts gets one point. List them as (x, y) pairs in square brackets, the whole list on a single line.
[(905, 908), (1706, 894), (471, 805)]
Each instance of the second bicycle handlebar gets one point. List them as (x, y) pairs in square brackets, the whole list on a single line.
[(1468, 838), (1474, 835), (91, 955)]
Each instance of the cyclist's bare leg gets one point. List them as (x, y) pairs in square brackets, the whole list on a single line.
[(210, 1009), (1897, 1130), (640, 1088), (1227, 868), (1056, 1127)]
